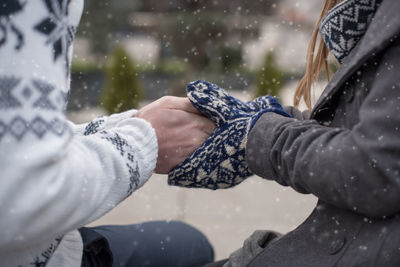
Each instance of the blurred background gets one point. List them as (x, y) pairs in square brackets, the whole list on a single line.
[(129, 53)]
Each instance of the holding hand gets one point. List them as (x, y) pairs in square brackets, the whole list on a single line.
[(179, 127), (221, 161)]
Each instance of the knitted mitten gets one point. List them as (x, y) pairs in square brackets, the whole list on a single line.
[(253, 106), (221, 161)]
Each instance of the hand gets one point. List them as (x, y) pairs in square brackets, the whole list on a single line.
[(179, 127), (221, 161)]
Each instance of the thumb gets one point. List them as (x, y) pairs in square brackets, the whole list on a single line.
[(215, 109), (216, 91), (265, 102), (262, 102), (210, 106)]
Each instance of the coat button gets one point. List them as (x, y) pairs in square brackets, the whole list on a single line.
[(337, 245)]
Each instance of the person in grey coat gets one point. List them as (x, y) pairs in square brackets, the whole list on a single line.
[(346, 151)]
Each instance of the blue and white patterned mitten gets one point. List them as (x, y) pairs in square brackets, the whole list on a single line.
[(252, 106), (221, 161)]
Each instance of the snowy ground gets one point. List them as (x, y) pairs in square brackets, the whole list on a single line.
[(227, 217)]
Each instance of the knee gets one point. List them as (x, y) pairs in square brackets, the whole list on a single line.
[(195, 242)]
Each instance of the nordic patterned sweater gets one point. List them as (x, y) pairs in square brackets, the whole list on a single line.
[(56, 176)]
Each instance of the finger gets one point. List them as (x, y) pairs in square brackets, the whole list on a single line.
[(200, 122), (208, 126), (184, 104), (179, 103)]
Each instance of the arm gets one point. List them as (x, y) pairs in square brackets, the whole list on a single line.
[(56, 176), (356, 169), (58, 182), (51, 180)]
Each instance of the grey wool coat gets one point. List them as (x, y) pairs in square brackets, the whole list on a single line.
[(347, 153)]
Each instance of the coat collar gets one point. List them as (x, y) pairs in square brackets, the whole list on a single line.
[(383, 27)]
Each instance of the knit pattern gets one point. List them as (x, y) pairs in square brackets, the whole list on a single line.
[(35, 93), (94, 126), (38, 127), (8, 29), (128, 153), (17, 94), (221, 161), (45, 256), (60, 35), (346, 24), (7, 99)]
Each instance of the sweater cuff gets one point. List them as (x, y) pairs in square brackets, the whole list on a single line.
[(143, 140), (101, 123), (114, 119), (260, 142)]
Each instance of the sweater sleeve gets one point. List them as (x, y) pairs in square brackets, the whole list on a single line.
[(356, 169), (100, 123), (53, 181)]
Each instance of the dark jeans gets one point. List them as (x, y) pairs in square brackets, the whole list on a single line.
[(151, 244), (217, 263)]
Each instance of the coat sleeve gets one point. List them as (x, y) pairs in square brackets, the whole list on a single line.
[(52, 180), (356, 169), (297, 114)]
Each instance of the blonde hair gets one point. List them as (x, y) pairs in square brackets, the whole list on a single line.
[(317, 60)]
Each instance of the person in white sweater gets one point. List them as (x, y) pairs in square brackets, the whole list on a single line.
[(56, 177)]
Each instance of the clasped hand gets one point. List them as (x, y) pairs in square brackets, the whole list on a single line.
[(179, 127)]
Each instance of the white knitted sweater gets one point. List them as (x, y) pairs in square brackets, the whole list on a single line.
[(56, 176)]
